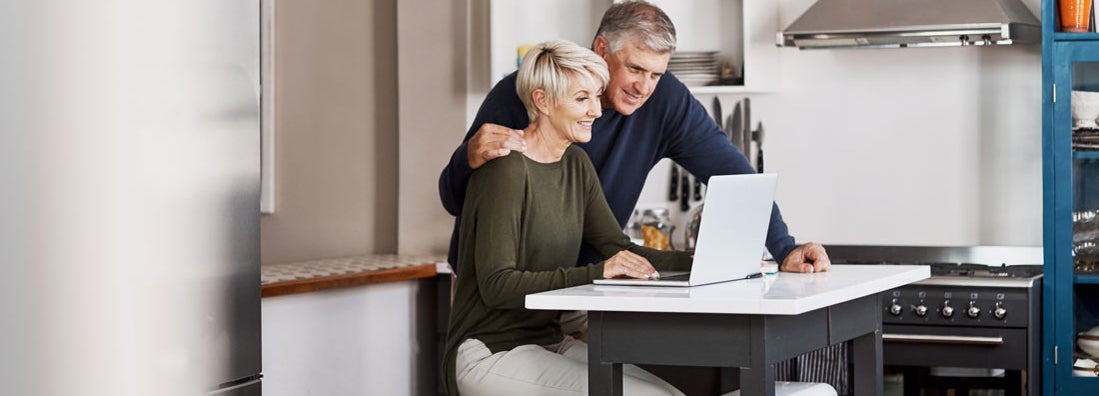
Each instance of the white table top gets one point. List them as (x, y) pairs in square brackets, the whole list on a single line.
[(779, 294)]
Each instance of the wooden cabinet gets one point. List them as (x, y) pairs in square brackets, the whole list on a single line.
[(742, 31), (1070, 62)]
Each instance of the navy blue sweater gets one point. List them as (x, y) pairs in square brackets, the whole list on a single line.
[(671, 124)]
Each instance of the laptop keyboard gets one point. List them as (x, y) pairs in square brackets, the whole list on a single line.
[(683, 276)]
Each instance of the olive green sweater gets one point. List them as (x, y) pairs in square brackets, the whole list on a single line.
[(522, 226)]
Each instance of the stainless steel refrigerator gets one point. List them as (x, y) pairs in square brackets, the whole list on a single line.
[(130, 157)]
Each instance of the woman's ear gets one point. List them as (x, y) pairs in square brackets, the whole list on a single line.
[(540, 100)]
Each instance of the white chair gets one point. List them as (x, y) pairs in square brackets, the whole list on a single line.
[(784, 388)]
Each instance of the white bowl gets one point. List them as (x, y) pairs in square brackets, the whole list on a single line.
[(1085, 109), (1088, 341), (1084, 368)]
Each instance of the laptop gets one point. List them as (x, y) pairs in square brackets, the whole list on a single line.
[(731, 235)]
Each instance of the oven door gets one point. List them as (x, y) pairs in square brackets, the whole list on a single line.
[(908, 345)]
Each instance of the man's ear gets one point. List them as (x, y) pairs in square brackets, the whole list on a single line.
[(540, 100), (601, 47)]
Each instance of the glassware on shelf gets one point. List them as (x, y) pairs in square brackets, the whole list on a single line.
[(656, 229), (1075, 15), (1085, 240)]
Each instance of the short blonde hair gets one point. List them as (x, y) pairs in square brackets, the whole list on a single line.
[(551, 66)]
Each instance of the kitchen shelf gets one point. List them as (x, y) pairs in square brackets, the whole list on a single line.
[(1082, 385), (728, 89), (1070, 61), (1076, 37), (1086, 279), (1085, 155)]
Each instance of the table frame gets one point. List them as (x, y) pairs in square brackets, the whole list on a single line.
[(754, 343)]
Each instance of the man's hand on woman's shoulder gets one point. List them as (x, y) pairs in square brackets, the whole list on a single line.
[(493, 141)]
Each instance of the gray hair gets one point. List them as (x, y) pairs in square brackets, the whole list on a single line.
[(640, 21), (551, 66)]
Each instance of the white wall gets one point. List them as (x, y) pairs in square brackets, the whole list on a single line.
[(335, 131), (920, 146), (432, 39), (367, 340)]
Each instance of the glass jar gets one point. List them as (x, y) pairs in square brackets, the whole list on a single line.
[(656, 229)]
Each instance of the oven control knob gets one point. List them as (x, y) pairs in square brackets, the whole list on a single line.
[(948, 311), (973, 311), (921, 310), (895, 309), (999, 312)]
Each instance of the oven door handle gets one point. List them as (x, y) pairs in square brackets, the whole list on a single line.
[(941, 339)]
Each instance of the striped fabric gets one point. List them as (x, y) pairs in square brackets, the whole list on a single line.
[(828, 365)]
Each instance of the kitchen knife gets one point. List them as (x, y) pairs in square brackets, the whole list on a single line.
[(734, 127), (698, 189), (673, 186), (758, 136), (717, 111), (746, 130), (685, 193)]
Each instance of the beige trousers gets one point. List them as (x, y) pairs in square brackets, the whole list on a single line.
[(537, 370)]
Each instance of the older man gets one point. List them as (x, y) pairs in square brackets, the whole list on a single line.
[(654, 116)]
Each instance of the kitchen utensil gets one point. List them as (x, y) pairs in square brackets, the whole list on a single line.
[(746, 131), (717, 111), (685, 192), (690, 234), (758, 137), (698, 189), (673, 186), (736, 127), (732, 122)]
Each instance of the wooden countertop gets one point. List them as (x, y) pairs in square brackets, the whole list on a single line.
[(308, 276)]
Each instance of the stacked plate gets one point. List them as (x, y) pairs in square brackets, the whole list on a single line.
[(1084, 139), (695, 68)]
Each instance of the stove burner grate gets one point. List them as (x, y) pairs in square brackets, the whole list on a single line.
[(984, 271)]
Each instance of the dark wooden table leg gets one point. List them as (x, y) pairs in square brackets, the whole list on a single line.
[(868, 363), (758, 381), (730, 379), (603, 378), (759, 378)]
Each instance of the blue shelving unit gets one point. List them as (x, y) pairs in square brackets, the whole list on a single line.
[(1070, 61)]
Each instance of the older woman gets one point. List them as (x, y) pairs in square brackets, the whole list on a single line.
[(524, 219)]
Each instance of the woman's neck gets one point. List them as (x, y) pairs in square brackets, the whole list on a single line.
[(544, 143)]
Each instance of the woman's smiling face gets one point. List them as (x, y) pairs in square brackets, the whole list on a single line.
[(573, 114)]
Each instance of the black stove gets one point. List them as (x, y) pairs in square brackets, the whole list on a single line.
[(972, 270), (980, 309)]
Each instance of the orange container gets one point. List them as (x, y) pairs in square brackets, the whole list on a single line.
[(1074, 15)]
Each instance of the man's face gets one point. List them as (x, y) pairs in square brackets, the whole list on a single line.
[(634, 72)]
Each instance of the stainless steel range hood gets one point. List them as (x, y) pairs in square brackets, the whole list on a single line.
[(911, 23)]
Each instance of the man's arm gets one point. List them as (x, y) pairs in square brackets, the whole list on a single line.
[(453, 180), (496, 131), (703, 148), (699, 145)]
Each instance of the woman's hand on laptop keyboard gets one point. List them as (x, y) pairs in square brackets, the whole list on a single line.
[(626, 264)]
